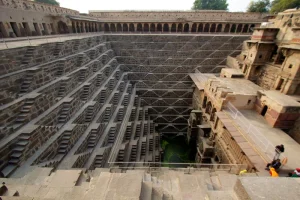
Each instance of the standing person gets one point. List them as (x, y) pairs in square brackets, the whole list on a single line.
[(278, 150)]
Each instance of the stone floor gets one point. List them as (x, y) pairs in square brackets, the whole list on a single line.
[(101, 183)]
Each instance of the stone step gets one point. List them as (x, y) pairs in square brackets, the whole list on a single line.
[(9, 169), (16, 155)]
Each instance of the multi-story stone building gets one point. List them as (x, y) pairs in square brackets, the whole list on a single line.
[(243, 119)]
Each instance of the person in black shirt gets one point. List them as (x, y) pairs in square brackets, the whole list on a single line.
[(275, 164)]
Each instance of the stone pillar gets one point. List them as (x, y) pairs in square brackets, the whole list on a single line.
[(223, 28), (83, 27), (135, 27), (190, 27), (230, 26)]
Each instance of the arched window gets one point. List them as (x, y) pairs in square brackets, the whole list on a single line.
[(194, 27), (106, 27), (139, 27), (219, 28), (227, 27), (159, 27), (146, 27), (119, 27), (131, 27), (245, 29), (239, 28), (152, 28), (233, 28), (125, 27), (206, 28), (112, 28), (179, 29), (186, 27), (166, 27), (251, 27), (173, 28), (200, 28), (204, 102), (213, 28)]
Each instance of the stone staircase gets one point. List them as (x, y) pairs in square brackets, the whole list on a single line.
[(160, 184), (25, 111)]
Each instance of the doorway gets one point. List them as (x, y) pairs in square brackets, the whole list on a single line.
[(2, 30), (15, 29), (37, 29), (279, 86), (264, 110), (27, 29)]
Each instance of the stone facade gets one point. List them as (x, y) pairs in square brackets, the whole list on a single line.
[(21, 18)]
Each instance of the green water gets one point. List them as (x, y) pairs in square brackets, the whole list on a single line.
[(177, 150)]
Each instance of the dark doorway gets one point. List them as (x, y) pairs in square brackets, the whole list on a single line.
[(166, 27), (279, 86), (15, 28), (152, 27), (37, 29), (179, 29), (146, 27), (125, 27), (106, 27), (186, 27), (131, 27), (159, 27), (264, 111), (27, 29), (119, 28), (139, 27), (200, 28), (62, 28), (173, 28), (2, 30), (46, 31), (194, 28)]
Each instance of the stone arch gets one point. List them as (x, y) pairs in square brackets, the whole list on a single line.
[(186, 27), (239, 28), (206, 28), (139, 27), (173, 28), (131, 27), (233, 28), (62, 27), (152, 27), (179, 28), (204, 102), (159, 27), (251, 28), (208, 107), (146, 28), (245, 29), (194, 27), (227, 28), (125, 27), (200, 28), (212, 28), (119, 27), (106, 27), (212, 115), (112, 27), (219, 28), (166, 27)]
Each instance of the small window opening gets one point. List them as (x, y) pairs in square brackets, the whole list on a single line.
[(290, 66), (249, 101)]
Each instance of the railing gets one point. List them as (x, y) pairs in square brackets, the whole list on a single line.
[(183, 167), (252, 132)]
